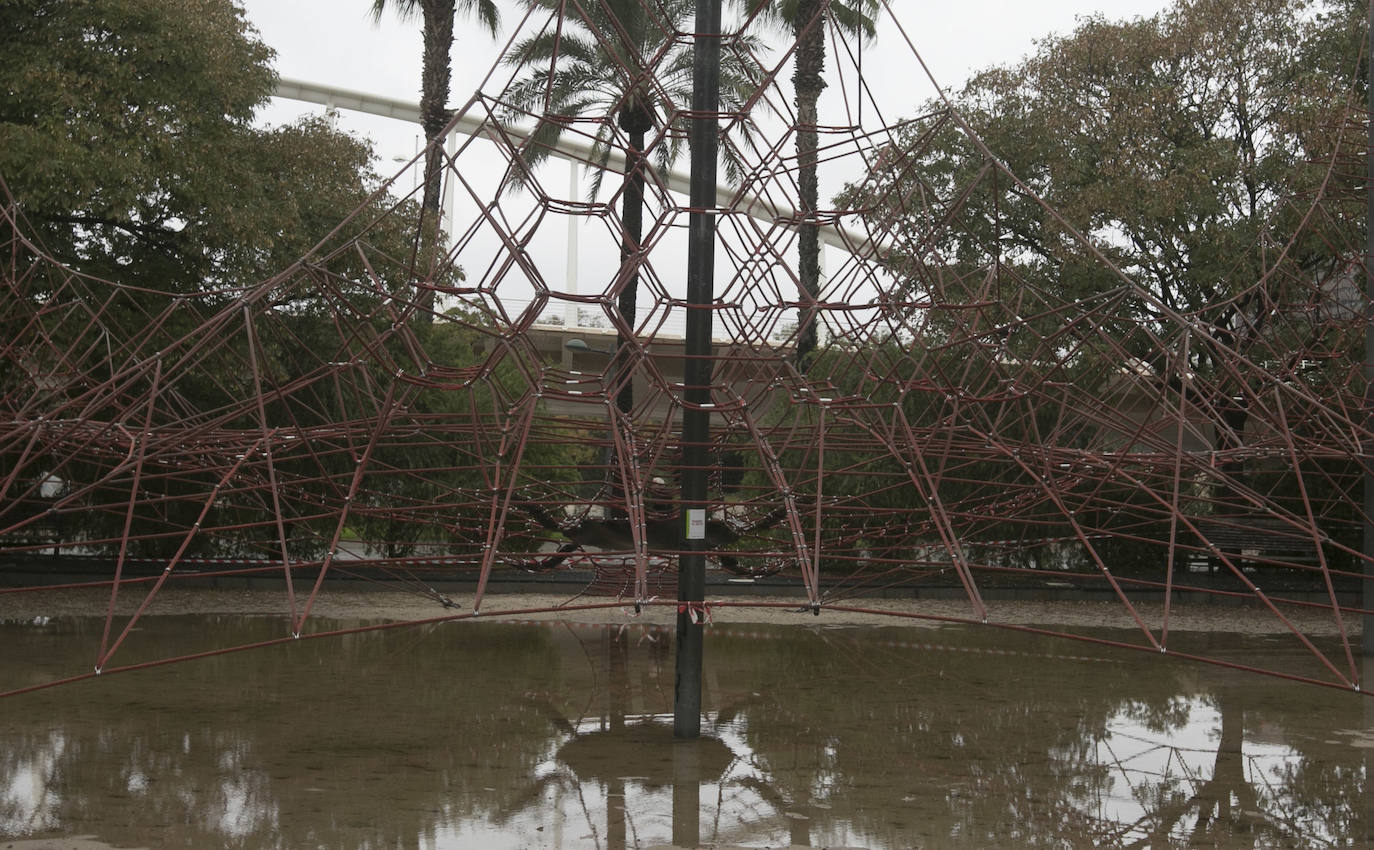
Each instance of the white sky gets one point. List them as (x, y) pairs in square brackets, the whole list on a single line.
[(336, 43)]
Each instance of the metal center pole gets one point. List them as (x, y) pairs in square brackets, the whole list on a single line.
[(1367, 596), (696, 417)]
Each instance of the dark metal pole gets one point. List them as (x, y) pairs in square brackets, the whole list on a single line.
[(687, 794), (1367, 597), (696, 418)]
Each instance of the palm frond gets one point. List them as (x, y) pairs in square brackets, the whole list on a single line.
[(405, 9), (605, 56), (487, 13)]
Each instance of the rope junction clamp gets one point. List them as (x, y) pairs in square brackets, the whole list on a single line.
[(698, 612)]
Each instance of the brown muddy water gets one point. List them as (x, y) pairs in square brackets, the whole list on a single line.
[(501, 735)]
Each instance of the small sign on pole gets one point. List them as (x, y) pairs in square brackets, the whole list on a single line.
[(696, 523)]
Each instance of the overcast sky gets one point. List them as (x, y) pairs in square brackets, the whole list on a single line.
[(336, 43)]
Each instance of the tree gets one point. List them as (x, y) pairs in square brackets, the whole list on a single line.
[(620, 64), (806, 21), (127, 141), (616, 62), (1188, 150), (1184, 145), (111, 122), (437, 18), (247, 263)]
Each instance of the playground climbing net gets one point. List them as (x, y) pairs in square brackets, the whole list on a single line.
[(925, 374)]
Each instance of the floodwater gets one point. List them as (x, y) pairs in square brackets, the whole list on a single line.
[(494, 735)]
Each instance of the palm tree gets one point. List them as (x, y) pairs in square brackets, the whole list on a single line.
[(612, 61), (805, 20), (437, 18), (615, 63)]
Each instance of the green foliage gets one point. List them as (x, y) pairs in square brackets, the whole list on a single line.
[(127, 140), (124, 122), (204, 262), (1185, 146), (620, 64), (1176, 192)]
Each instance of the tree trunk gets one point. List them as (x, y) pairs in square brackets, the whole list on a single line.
[(1224, 802), (636, 121), (434, 84), (808, 83), (1235, 413)]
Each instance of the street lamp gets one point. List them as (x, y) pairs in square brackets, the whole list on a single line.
[(579, 346)]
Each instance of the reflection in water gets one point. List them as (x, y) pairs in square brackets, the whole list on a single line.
[(503, 735), (1202, 779)]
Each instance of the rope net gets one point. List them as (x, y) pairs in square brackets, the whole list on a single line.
[(966, 386)]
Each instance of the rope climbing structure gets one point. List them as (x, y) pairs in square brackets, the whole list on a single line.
[(933, 365)]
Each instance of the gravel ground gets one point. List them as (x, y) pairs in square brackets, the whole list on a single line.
[(398, 606)]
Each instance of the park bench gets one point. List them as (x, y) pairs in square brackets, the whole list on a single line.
[(1252, 538)]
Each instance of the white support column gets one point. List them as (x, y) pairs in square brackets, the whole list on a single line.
[(570, 314)]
